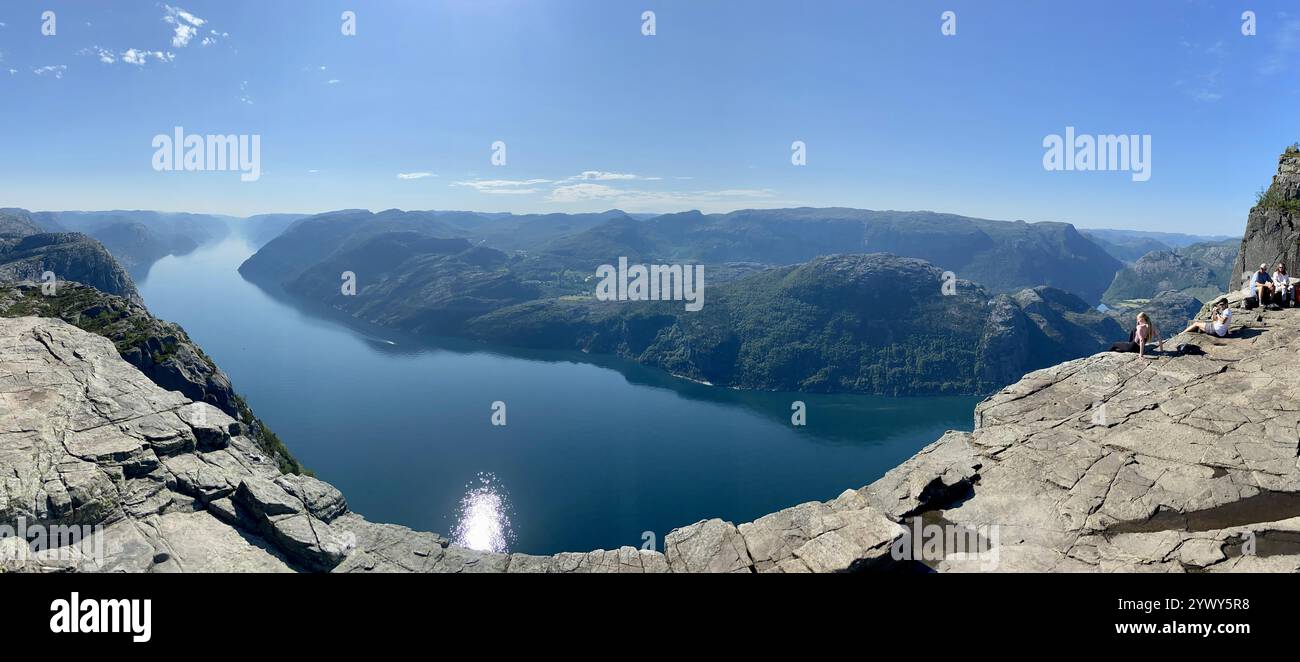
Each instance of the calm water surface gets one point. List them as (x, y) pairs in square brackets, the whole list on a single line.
[(595, 453)]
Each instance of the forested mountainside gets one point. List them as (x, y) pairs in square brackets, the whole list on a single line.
[(874, 323), (1000, 255)]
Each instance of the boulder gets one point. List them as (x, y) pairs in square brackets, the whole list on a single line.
[(707, 546), (321, 499), (212, 427)]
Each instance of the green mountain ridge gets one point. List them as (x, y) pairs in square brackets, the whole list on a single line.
[(873, 323), (1003, 256), (1201, 270), (834, 324)]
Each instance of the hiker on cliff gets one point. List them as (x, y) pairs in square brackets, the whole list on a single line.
[(1263, 285), (1220, 318), (1144, 331), (1285, 288)]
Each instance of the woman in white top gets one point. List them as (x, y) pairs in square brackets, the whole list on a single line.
[(1282, 282), (1218, 324)]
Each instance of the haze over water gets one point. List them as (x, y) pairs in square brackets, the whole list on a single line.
[(596, 451)]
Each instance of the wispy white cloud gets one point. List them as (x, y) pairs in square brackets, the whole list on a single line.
[(141, 57), (185, 25), (1203, 79), (580, 192), (136, 56), (645, 199), (333, 81), (106, 56), (504, 186), (1285, 46), (414, 175), (605, 187), (212, 37), (243, 93), (600, 175), (55, 70)]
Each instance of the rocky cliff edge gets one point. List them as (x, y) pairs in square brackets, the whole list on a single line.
[(1106, 463)]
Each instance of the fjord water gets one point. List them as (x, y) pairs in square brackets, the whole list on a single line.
[(595, 453)]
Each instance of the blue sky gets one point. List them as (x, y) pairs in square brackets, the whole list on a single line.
[(701, 115)]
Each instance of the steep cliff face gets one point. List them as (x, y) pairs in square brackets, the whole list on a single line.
[(71, 256), (86, 439), (161, 350), (1273, 227)]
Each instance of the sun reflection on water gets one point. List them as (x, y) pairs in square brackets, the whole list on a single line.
[(484, 519)]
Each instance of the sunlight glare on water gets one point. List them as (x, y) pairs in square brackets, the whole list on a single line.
[(484, 517)]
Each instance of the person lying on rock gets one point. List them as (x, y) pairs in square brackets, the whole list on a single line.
[(1220, 318)]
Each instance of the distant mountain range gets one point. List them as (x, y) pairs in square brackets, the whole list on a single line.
[(835, 323), (799, 299), (526, 280), (1002, 256), (1202, 270), (136, 239), (1127, 240), (262, 228), (18, 223)]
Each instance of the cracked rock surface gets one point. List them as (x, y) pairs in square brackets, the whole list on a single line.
[(1107, 463), (1115, 463)]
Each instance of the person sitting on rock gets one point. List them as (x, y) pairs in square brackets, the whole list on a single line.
[(1220, 318), (1146, 332), (1263, 285), (1282, 282)]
